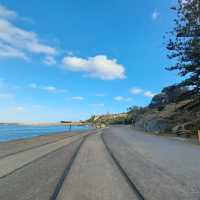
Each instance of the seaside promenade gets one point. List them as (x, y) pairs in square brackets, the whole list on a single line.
[(103, 164)]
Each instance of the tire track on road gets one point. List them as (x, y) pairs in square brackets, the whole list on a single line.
[(43, 144), (66, 171), (94, 175), (123, 172), (10, 164)]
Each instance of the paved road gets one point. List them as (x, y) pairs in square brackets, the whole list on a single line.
[(95, 176), (37, 180), (162, 168), (8, 148), (13, 162)]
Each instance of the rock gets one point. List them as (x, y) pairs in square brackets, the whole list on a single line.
[(168, 95), (152, 124)]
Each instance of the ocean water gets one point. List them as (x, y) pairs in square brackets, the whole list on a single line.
[(13, 132)]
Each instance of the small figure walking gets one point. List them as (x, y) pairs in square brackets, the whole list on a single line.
[(70, 127)]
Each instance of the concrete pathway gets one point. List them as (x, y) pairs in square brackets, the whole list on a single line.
[(162, 168), (13, 162), (38, 179), (95, 176), (12, 147)]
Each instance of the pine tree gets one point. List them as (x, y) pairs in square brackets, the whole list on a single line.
[(184, 43)]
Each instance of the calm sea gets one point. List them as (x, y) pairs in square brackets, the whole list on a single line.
[(14, 132)]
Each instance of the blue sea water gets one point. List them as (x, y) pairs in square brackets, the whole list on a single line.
[(13, 132)]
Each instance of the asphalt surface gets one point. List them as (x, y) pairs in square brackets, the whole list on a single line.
[(161, 168), (95, 176), (38, 179), (13, 162), (11, 147)]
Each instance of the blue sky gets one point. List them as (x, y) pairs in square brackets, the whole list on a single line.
[(68, 59)]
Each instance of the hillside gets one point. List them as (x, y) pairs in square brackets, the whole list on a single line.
[(119, 118), (175, 110)]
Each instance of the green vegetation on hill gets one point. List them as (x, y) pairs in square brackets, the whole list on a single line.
[(106, 119)]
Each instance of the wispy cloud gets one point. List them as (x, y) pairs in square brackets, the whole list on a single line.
[(100, 95), (121, 98), (48, 88), (16, 42), (7, 51), (98, 66), (140, 91), (186, 1), (149, 94), (136, 90), (80, 98), (155, 14), (118, 98), (5, 13)]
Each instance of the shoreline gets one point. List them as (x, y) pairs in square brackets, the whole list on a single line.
[(16, 132), (67, 133), (44, 123)]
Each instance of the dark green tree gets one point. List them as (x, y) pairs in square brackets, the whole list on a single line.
[(184, 43)]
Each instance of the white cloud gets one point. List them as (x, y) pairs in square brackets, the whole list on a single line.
[(118, 98), (186, 1), (121, 98), (135, 91), (155, 15), (18, 43), (52, 89), (5, 13), (78, 98), (149, 94), (48, 88), (98, 66), (7, 51)]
